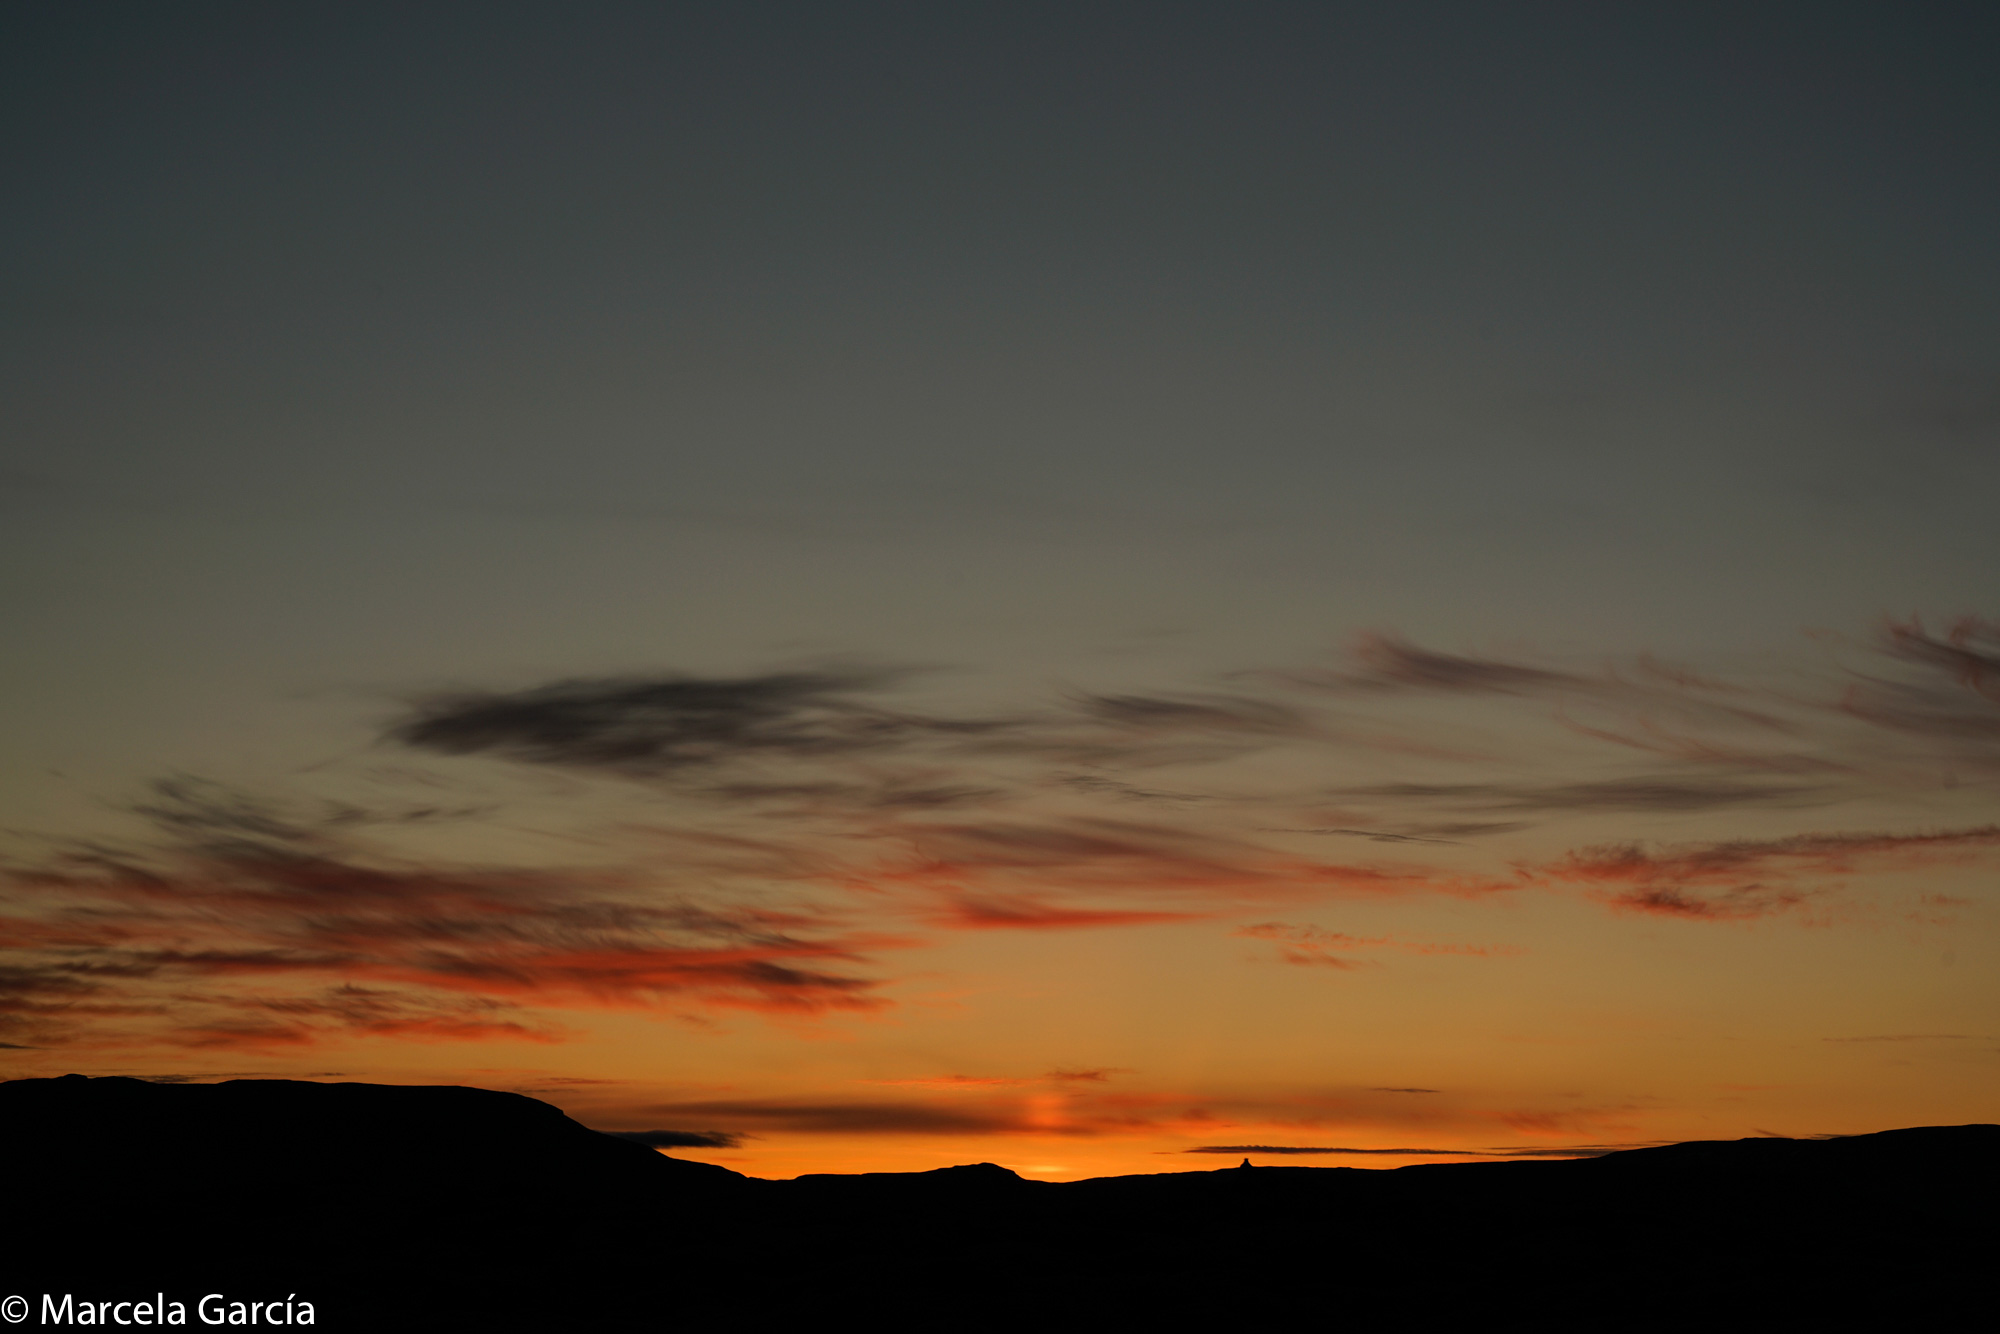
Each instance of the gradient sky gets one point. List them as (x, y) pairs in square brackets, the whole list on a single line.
[(884, 585)]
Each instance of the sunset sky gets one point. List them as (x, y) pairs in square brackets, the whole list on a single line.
[(883, 585)]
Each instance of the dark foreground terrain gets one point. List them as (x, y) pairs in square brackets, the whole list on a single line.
[(454, 1208)]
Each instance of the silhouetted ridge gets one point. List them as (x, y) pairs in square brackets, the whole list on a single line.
[(965, 1177), (379, 1202), (445, 1129)]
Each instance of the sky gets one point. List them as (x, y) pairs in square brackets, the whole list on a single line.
[(873, 586)]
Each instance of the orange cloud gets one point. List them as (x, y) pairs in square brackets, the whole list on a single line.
[(975, 915)]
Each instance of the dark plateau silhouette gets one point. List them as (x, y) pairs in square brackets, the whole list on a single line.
[(456, 1208)]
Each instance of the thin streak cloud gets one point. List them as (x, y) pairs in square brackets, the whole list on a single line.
[(794, 831)]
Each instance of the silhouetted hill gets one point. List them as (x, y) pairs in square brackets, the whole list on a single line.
[(405, 1208)]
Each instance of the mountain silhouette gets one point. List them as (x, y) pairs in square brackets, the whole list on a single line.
[(394, 1207)]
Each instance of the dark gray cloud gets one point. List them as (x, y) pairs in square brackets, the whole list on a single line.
[(48, 980), (667, 725), (682, 727), (1076, 844), (1391, 663), (885, 796), (1090, 872), (1467, 828), (1097, 785), (828, 743), (1388, 663), (197, 814), (849, 1118), (678, 1139), (47, 1003), (1196, 713), (1608, 795), (1955, 697), (1372, 835), (375, 1010)]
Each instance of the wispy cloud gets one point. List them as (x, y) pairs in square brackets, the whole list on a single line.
[(959, 1083), (1750, 877), (1086, 1111), (980, 1083), (672, 724), (247, 926), (1618, 796), (267, 1021), (678, 1139), (1197, 713), (1385, 662), (1576, 1151), (1951, 700), (1022, 915), (782, 833), (1310, 945), (856, 1118)]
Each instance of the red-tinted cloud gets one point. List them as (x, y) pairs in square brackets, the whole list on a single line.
[(1312, 946), (244, 930), (1746, 877), (987, 914), (1079, 873), (803, 828)]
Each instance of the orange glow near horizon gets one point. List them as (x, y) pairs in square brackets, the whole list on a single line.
[(1264, 936)]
